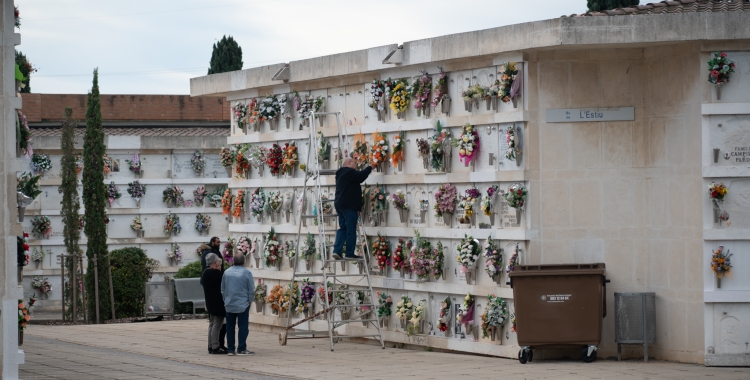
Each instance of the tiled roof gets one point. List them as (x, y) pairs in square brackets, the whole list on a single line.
[(676, 6), (176, 131)]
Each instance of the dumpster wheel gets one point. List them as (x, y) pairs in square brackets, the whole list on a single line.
[(588, 354), (525, 355)]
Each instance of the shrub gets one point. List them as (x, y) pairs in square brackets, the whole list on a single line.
[(131, 269), (192, 270)]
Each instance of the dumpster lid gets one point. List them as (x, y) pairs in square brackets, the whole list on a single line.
[(558, 269)]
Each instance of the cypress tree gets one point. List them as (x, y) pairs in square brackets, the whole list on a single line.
[(226, 56), (95, 202), (70, 203), (603, 5)]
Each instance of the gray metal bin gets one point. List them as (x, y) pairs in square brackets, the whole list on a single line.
[(635, 320), (159, 298)]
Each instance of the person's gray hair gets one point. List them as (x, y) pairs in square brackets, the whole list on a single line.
[(211, 259), (347, 161), (239, 259)]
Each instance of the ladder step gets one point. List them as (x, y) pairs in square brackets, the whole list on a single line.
[(353, 320), (328, 171), (360, 305), (324, 216), (346, 275), (358, 336)]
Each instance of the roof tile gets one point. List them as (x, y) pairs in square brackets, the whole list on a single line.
[(675, 6)]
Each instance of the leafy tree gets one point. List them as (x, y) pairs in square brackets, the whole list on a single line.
[(70, 203), (131, 269), (95, 203), (226, 56), (603, 5), (26, 69)]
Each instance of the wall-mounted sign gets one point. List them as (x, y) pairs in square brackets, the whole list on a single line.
[(577, 115)]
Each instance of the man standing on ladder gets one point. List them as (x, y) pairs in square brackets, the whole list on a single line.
[(348, 203)]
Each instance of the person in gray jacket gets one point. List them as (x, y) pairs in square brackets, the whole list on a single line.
[(238, 291)]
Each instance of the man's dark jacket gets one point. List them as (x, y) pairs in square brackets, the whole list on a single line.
[(348, 190), (205, 250), (211, 280)]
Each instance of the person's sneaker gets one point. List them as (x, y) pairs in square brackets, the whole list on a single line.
[(232, 353), (337, 256), (210, 350), (245, 353), (222, 350), (217, 352), (353, 257)]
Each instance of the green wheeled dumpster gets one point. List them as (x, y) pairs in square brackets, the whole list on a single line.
[(559, 306)]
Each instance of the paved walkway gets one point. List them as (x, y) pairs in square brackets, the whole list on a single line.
[(177, 350)]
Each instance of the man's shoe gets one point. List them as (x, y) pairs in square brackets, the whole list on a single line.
[(245, 353), (210, 350), (222, 350), (232, 353), (353, 257), (337, 256), (217, 352)]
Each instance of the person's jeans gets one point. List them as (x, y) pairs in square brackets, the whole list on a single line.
[(347, 232), (214, 327), (241, 320)]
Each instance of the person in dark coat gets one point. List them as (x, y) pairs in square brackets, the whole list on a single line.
[(211, 280), (348, 203), (214, 246)]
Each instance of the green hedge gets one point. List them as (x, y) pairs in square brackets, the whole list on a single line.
[(130, 272)]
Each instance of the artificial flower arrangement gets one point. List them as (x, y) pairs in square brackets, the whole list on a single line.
[(385, 303), (400, 96), (40, 163), (136, 225), (400, 255), (284, 108), (324, 148), (274, 201), (198, 162), (397, 157), (360, 297), (466, 312), (23, 240), (493, 258), (720, 68), (289, 250), (404, 310), (306, 106), (440, 147), (487, 200), (79, 164), (515, 259), (134, 165), (253, 114), (422, 89), (41, 225), (360, 153), (516, 195), (239, 204), (226, 202), (258, 203), (202, 223), (24, 135), (241, 158), (107, 164), (510, 138), (340, 298), (418, 314), (717, 192), (260, 292), (445, 315), (398, 199), (28, 185), (440, 93), (274, 159), (379, 152), (23, 316), (290, 159), (495, 315), (113, 193), (228, 252), (423, 150), (490, 94), (466, 204), (276, 299), (378, 198), (468, 144), (468, 253), (291, 297), (240, 111), (471, 96), (445, 200), (307, 295), (508, 73), (175, 255), (42, 285), (269, 108), (227, 156), (381, 251), (244, 245), (422, 260), (172, 196), (37, 256), (136, 190), (199, 196), (172, 224), (272, 250), (215, 197), (377, 90), (438, 254), (721, 263)]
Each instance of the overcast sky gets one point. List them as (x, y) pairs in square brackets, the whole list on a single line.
[(155, 46)]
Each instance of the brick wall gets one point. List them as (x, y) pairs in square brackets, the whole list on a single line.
[(49, 107)]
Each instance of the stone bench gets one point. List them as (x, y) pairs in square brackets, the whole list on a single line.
[(190, 290)]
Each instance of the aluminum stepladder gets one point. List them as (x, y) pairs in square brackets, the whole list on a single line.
[(329, 271)]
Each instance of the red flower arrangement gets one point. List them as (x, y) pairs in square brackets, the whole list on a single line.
[(273, 159), (380, 247), (243, 164), (399, 256)]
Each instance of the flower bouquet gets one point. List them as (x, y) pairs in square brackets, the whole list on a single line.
[(136, 191), (438, 255), (516, 198), (445, 202), (400, 96), (341, 298), (422, 89), (253, 115), (514, 152), (228, 251), (23, 319), (226, 202), (244, 247), (274, 160), (172, 224), (491, 96), (445, 316), (274, 201), (398, 199), (468, 254), (493, 259), (270, 109), (385, 303), (227, 157), (324, 151), (202, 224), (242, 161), (379, 204), (440, 94), (423, 150), (284, 110), (40, 163), (260, 296), (107, 165), (720, 69), (441, 143), (360, 153), (37, 256), (134, 165), (79, 165), (199, 196), (379, 152), (487, 201), (23, 241), (172, 196), (468, 144), (509, 87), (717, 192), (41, 226), (382, 253), (419, 318), (258, 203), (305, 107), (175, 255), (422, 258), (198, 163), (240, 112), (400, 255), (362, 309), (307, 296), (721, 264), (137, 226), (276, 299), (27, 190), (377, 90), (397, 157), (291, 298), (471, 96), (42, 285), (113, 193), (239, 206), (404, 310), (23, 137), (308, 251), (466, 314), (494, 317), (289, 250), (272, 250), (466, 205), (290, 160), (515, 259)]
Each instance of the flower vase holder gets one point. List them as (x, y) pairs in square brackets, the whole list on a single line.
[(448, 219), (470, 276), (514, 100), (383, 322), (309, 310), (259, 306), (419, 112), (257, 261), (275, 312), (519, 214), (491, 102), (426, 162), (309, 264), (426, 112), (467, 105), (717, 215), (402, 272), (344, 314), (716, 155), (491, 332), (446, 162), (718, 282), (422, 327), (404, 323), (717, 86), (365, 314), (256, 127), (498, 277), (23, 202), (445, 105), (361, 267), (403, 215), (321, 120), (36, 264), (272, 125)]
